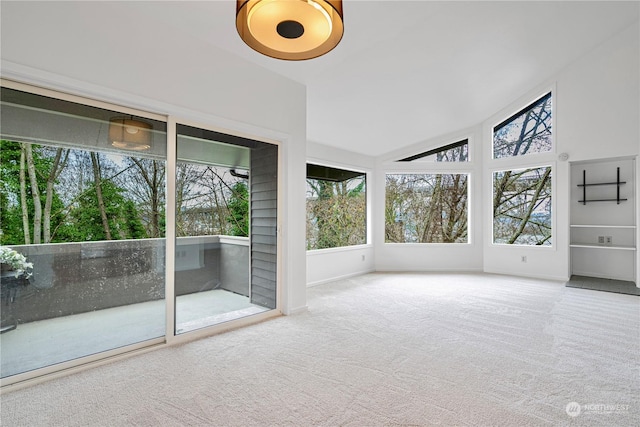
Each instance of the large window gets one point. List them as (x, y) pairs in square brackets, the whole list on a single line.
[(522, 196), (336, 207), (526, 132), (522, 206), (426, 208)]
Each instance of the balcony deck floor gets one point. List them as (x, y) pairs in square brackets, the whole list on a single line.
[(47, 342)]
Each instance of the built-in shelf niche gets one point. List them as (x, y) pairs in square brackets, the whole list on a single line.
[(603, 235)]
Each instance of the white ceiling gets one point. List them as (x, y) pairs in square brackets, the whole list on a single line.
[(409, 71)]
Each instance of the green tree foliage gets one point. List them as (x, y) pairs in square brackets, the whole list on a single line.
[(130, 203), (74, 219), (122, 216), (336, 213), (239, 210), (209, 201), (11, 225), (10, 214), (11, 232)]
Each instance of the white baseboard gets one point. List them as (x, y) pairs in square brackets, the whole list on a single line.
[(531, 276), (296, 310), (344, 276), (432, 270)]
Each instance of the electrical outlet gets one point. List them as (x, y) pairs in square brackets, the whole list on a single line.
[(601, 240), (523, 258), (608, 239)]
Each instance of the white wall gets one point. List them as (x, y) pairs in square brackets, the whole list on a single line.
[(89, 49), (598, 101), (596, 112), (325, 265)]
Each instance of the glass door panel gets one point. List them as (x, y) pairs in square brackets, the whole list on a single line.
[(215, 266), (91, 230)]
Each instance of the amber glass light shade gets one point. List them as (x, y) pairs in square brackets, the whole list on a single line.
[(290, 29), (129, 134)]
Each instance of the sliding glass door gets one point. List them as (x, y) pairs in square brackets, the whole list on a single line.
[(226, 213), (82, 235), (84, 224)]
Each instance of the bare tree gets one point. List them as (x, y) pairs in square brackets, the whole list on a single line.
[(204, 195), (522, 205), (426, 208), (35, 193), (59, 163), (518, 195), (97, 179), (187, 178), (148, 186), (23, 196)]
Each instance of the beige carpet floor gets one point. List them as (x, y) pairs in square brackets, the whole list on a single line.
[(379, 350)]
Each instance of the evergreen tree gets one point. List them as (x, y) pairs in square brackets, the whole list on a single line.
[(121, 214), (239, 210)]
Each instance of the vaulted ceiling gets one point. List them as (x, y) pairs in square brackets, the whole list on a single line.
[(408, 71)]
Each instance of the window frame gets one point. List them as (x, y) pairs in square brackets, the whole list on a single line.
[(503, 120), (553, 206), (447, 171), (431, 152), (368, 199), (532, 160), (393, 166)]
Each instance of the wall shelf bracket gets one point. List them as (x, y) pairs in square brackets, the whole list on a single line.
[(584, 186)]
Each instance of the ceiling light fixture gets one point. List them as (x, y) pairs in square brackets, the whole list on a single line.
[(290, 29), (129, 134)]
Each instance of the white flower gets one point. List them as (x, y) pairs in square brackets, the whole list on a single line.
[(17, 261)]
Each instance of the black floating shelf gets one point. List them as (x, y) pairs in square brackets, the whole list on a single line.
[(602, 200), (603, 183), (584, 186)]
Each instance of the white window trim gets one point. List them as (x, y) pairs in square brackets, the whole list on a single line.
[(552, 165), (391, 166), (391, 159), (533, 160), (368, 173), (444, 171)]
